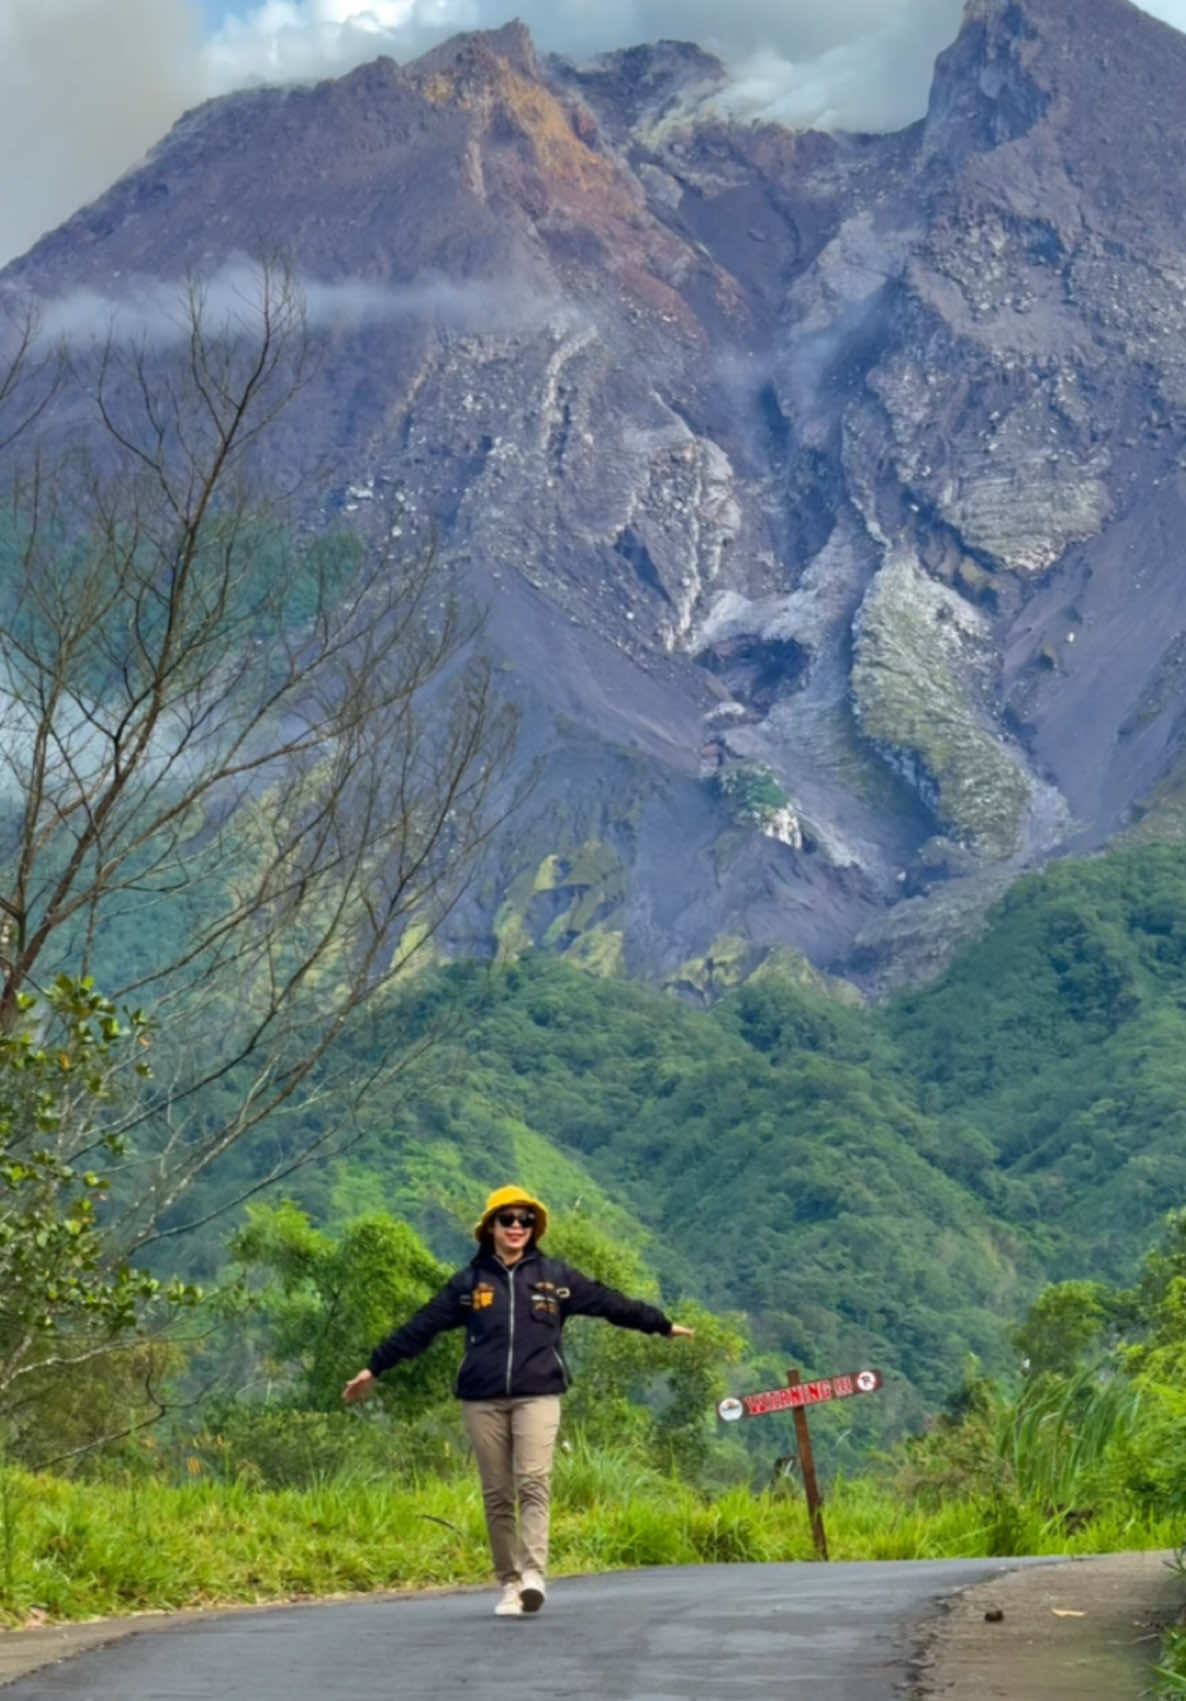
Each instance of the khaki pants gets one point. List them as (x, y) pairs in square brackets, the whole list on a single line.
[(513, 1440)]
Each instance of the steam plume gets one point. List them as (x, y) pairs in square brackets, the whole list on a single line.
[(86, 86)]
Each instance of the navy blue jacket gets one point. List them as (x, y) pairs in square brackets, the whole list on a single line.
[(512, 1320)]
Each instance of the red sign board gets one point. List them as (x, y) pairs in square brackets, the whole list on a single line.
[(803, 1394)]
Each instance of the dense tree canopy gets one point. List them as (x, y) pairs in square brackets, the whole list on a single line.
[(892, 1183)]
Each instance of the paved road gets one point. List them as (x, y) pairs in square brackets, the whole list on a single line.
[(703, 1633)]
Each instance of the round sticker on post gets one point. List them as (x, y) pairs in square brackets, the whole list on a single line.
[(730, 1409), (867, 1381)]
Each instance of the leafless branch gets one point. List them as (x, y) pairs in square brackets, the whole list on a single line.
[(245, 777)]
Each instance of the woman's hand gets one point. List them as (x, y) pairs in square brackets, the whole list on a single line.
[(678, 1329), (358, 1387)]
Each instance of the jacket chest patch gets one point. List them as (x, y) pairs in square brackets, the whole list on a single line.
[(483, 1296), (544, 1300)]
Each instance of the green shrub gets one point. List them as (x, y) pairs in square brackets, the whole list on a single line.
[(752, 791)]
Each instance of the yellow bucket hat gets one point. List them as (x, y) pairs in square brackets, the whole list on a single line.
[(504, 1196)]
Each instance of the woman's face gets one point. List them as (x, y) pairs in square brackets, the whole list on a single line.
[(512, 1228)]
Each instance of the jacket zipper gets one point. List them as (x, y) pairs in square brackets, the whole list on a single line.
[(511, 1330)]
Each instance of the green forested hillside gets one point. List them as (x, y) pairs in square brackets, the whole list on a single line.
[(1062, 1036), (884, 1182), (799, 1185)]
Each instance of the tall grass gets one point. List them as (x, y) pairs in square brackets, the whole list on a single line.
[(1172, 1674), (78, 1549), (1062, 1437)]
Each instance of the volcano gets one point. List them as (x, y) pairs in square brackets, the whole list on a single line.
[(825, 492)]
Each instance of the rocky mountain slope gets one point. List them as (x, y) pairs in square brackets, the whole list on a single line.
[(826, 491)]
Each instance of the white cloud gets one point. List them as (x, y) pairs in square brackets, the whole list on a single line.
[(877, 79), (251, 42), (87, 86), (148, 312), (860, 64), (855, 64), (290, 40), (866, 63)]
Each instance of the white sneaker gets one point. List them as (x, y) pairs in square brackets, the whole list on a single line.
[(532, 1593), (509, 1605)]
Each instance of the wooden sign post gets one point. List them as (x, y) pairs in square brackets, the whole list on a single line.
[(815, 1508), (794, 1398)]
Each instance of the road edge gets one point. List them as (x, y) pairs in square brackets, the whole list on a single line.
[(1089, 1630), (26, 1651)]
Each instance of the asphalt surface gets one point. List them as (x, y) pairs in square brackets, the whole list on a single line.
[(703, 1633)]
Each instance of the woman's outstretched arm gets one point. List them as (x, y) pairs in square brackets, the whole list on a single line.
[(587, 1298), (445, 1310)]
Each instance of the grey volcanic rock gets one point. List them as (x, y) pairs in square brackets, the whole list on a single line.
[(847, 473)]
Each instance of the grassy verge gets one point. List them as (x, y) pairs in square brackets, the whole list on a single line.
[(1172, 1671), (83, 1549)]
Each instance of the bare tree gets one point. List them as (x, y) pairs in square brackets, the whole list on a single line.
[(28, 373), (247, 778)]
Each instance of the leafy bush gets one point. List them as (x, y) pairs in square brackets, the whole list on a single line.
[(752, 791)]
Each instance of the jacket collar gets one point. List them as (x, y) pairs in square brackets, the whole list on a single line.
[(490, 1260)]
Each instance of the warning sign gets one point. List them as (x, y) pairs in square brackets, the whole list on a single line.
[(802, 1394)]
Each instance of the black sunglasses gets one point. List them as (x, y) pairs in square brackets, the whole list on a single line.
[(516, 1219)]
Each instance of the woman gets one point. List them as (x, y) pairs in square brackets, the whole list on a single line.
[(513, 1303)]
